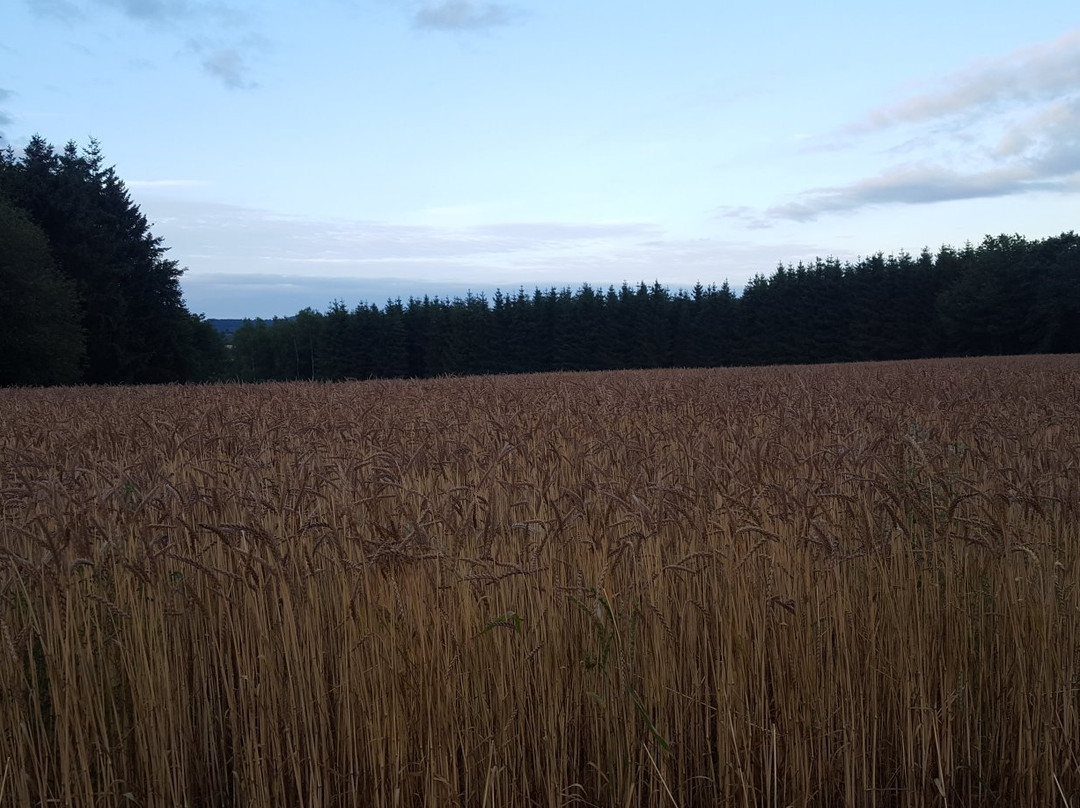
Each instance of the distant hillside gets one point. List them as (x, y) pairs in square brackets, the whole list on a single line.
[(225, 327)]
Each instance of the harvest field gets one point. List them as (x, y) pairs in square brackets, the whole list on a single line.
[(808, 586)]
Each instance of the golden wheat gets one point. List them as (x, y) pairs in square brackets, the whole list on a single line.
[(834, 586)]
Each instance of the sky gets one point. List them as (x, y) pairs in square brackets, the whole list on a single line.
[(291, 154)]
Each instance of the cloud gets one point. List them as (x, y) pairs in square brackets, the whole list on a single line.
[(1004, 127), (228, 65), (1031, 75), (156, 10), (57, 9), (176, 11), (552, 232), (226, 233), (145, 11), (912, 185), (463, 15), (1038, 152), (206, 24), (290, 261)]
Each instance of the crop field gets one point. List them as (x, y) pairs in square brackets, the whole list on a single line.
[(847, 585)]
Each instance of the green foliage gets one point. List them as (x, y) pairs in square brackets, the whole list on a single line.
[(508, 619), (41, 341), (129, 303), (616, 642)]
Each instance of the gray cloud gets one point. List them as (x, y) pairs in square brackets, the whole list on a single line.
[(177, 11), (156, 10), (459, 15), (226, 64), (146, 11), (57, 9), (912, 186)]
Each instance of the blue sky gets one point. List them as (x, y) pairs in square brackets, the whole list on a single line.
[(290, 154)]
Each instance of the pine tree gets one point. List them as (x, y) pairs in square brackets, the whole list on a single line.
[(132, 312)]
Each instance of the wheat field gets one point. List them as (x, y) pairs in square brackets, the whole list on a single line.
[(847, 585)]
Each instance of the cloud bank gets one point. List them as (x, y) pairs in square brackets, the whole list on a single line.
[(1003, 127), (1031, 75), (292, 261)]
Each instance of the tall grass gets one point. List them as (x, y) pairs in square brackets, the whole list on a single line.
[(833, 586)]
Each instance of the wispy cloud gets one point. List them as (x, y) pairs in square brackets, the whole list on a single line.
[(294, 261), (147, 11), (1003, 127), (913, 185), (463, 15), (227, 233), (555, 232), (218, 33), (1031, 75), (57, 9)]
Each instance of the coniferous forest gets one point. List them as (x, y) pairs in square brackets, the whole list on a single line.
[(1008, 295), (88, 296)]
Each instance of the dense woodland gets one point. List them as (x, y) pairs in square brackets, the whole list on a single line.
[(1008, 295), (88, 296), (86, 292)]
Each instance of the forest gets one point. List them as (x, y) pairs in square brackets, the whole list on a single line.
[(1007, 295), (87, 295)]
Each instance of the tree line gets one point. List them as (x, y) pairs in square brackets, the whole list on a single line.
[(87, 295), (86, 292), (1007, 295)]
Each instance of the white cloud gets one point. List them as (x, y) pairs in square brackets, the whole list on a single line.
[(293, 258), (1031, 75), (1004, 127)]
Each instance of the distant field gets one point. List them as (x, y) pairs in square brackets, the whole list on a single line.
[(806, 586)]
